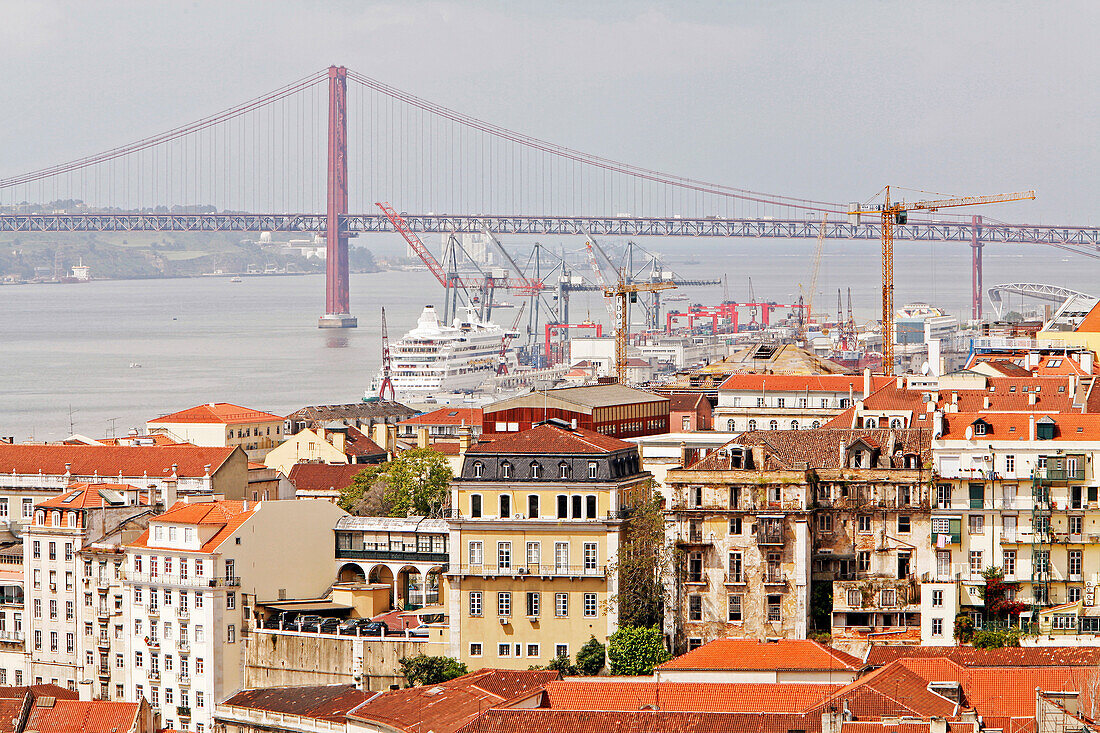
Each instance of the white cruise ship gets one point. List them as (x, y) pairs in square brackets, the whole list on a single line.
[(434, 357)]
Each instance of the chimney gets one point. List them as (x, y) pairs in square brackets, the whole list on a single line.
[(1032, 398), (244, 505), (986, 403), (683, 454), (937, 725), (379, 436), (900, 382), (867, 381), (573, 423), (465, 438), (1031, 427), (937, 423), (1086, 362), (339, 441), (422, 437), (391, 440)]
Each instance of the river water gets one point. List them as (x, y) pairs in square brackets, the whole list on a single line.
[(66, 350)]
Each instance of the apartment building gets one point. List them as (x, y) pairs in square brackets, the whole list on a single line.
[(191, 581), (74, 617), (13, 650), (762, 521), (535, 524), (762, 401), (611, 409), (339, 446), (221, 424)]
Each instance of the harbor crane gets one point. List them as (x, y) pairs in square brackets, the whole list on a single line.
[(808, 312), (896, 213), (506, 339), (387, 382), (620, 293)]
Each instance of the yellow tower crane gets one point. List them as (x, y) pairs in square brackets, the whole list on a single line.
[(897, 213), (809, 311), (620, 293)]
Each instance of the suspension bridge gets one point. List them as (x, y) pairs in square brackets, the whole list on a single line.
[(282, 162)]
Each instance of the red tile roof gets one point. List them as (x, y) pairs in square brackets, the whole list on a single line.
[(447, 707), (91, 716), (325, 702), (109, 460), (1015, 425), (685, 401), (1030, 656), (756, 382), (893, 690), (750, 654), (821, 447), (471, 416), (358, 445), (600, 693), (550, 438), (638, 721), (323, 476), (218, 412), (227, 515), (89, 496)]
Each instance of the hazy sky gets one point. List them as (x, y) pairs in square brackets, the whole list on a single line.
[(828, 100)]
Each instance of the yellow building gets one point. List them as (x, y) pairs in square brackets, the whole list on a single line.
[(534, 534), (221, 424), (345, 445)]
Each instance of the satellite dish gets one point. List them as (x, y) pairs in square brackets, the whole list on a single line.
[(970, 432), (924, 369)]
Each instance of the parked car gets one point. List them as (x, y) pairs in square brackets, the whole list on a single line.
[(349, 627), (307, 623), (328, 626), (374, 628)]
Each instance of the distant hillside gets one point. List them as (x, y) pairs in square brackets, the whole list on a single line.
[(133, 255)]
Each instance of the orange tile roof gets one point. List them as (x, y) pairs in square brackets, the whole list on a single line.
[(91, 716), (1068, 426), (750, 654), (82, 495), (820, 447), (449, 706), (550, 438), (323, 476), (471, 416), (218, 412), (600, 693), (228, 515), (893, 690), (540, 720), (109, 460), (325, 702), (358, 444), (757, 382), (1028, 656)]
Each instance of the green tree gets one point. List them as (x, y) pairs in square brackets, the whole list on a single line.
[(591, 657), (964, 628), (634, 650), (425, 670), (563, 665), (996, 638), (354, 495), (644, 560), (417, 481)]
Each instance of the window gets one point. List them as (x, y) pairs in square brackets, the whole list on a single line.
[(561, 650), (904, 523), (138, 659), (561, 605), (534, 553), (1075, 564), (476, 557), (504, 555), (577, 503), (475, 506), (506, 470), (533, 506), (563, 470), (736, 568), (863, 561), (504, 603), (592, 467), (505, 506), (590, 608), (69, 545), (1075, 525), (53, 549), (775, 612), (855, 598), (975, 562), (864, 522), (887, 597), (590, 506), (937, 627), (751, 425), (1073, 594), (735, 525), (977, 524), (695, 567), (475, 649), (773, 425), (230, 634), (504, 650), (479, 467), (943, 496), (1010, 464), (533, 651), (536, 469), (36, 550), (825, 522), (590, 556), (695, 607), (561, 557), (733, 607), (533, 604), (1008, 562), (230, 600)]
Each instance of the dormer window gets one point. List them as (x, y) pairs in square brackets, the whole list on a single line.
[(506, 470), (55, 519), (896, 423), (857, 458), (536, 469), (870, 423), (70, 519), (563, 470), (40, 518), (478, 468), (592, 467), (980, 427)]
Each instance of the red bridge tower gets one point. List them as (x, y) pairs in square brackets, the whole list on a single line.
[(337, 305)]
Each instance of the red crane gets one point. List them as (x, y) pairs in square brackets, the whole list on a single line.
[(387, 383), (502, 364)]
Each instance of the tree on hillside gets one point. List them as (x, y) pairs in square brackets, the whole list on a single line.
[(416, 482), (633, 651), (643, 561)]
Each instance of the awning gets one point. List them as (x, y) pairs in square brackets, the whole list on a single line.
[(317, 607)]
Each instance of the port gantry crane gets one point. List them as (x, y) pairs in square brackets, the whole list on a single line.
[(897, 213), (506, 339), (387, 382)]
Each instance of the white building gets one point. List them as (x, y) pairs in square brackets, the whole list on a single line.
[(221, 424), (191, 582), (71, 613), (758, 401)]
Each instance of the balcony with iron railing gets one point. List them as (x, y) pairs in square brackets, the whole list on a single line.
[(770, 535), (182, 612), (413, 556), (183, 646), (202, 581), (184, 679), (154, 675), (152, 611), (543, 571)]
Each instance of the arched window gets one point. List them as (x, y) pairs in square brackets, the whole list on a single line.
[(752, 425), (40, 518), (55, 519), (532, 506), (895, 422), (563, 470), (70, 519), (536, 469), (730, 425), (870, 422), (794, 424), (773, 425), (816, 424), (505, 506), (506, 470), (478, 468)]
